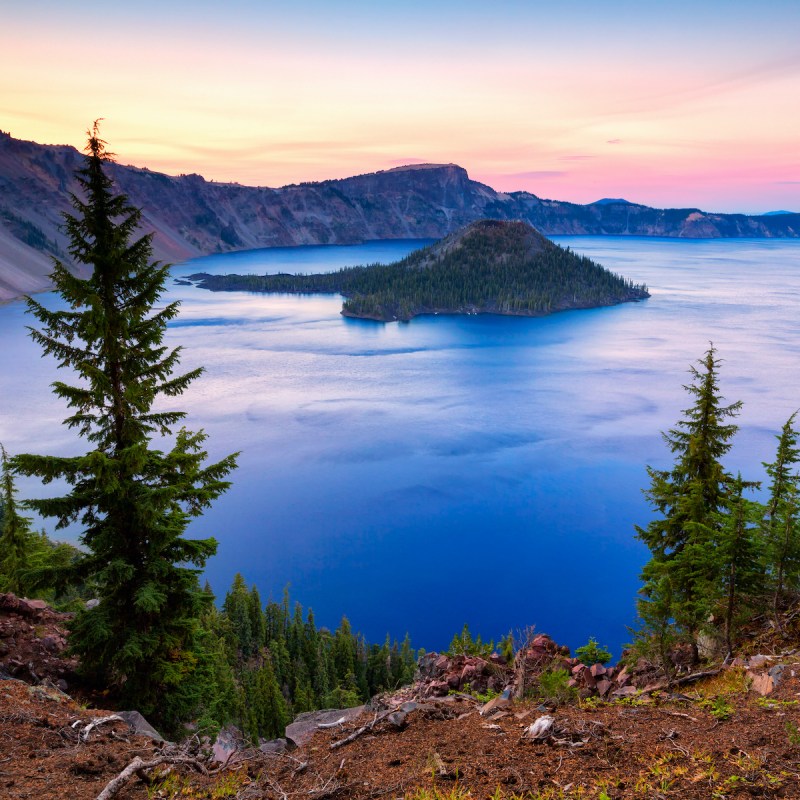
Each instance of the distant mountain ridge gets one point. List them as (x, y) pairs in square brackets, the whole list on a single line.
[(191, 216)]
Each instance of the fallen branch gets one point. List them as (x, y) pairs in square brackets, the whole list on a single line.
[(336, 724), (84, 733), (675, 714), (138, 766), (695, 676), (361, 731)]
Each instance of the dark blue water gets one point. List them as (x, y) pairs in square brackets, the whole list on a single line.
[(454, 469)]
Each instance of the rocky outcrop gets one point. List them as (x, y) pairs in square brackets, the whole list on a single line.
[(33, 641), (190, 216), (439, 675)]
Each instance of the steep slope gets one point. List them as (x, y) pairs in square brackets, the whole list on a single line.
[(487, 267), (191, 216)]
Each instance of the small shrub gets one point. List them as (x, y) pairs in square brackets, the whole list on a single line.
[(793, 732), (506, 648), (592, 653), (464, 644), (554, 686), (718, 707), (483, 697), (771, 704)]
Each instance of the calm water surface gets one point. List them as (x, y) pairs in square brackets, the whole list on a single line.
[(482, 469)]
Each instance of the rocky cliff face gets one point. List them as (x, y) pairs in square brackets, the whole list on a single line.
[(191, 216)]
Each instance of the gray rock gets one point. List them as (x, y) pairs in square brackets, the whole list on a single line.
[(229, 741), (93, 603), (305, 725), (139, 725), (274, 746), (776, 673), (398, 718)]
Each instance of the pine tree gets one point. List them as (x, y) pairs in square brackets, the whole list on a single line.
[(780, 527), (237, 606), (15, 535), (736, 554), (132, 499), (689, 498), (257, 622)]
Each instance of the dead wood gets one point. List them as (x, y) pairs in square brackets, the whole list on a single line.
[(361, 731), (695, 676), (95, 723), (138, 767)]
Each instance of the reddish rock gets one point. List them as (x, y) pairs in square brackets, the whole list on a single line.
[(453, 680), (598, 670), (442, 664), (624, 691), (763, 683), (495, 683), (623, 678), (579, 668), (603, 687), (496, 658), (438, 688), (495, 704), (468, 674), (52, 644)]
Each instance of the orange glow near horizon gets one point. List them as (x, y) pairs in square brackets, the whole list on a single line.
[(687, 129)]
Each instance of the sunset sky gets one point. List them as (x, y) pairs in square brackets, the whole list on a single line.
[(670, 104)]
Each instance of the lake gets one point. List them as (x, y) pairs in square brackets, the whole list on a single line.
[(454, 469)]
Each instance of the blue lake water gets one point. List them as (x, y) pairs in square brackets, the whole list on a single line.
[(454, 469)]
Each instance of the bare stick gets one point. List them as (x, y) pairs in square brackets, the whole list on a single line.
[(336, 724), (138, 765), (95, 723), (361, 731)]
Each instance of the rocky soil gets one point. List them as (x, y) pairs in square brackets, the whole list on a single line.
[(33, 638), (729, 731)]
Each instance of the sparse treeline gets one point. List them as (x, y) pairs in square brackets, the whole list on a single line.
[(505, 268), (718, 557), (274, 663)]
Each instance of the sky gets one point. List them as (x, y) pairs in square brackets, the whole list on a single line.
[(679, 104)]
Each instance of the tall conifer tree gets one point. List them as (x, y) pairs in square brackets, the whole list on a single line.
[(688, 499), (132, 499)]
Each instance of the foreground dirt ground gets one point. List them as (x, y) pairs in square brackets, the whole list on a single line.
[(720, 740)]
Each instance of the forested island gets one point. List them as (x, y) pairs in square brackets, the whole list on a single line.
[(487, 267)]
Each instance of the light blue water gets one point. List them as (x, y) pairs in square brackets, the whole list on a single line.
[(482, 469)]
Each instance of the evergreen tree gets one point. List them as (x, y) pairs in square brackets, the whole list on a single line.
[(736, 555), (133, 500), (344, 652), (780, 526), (237, 606), (257, 623), (15, 535), (689, 498)]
